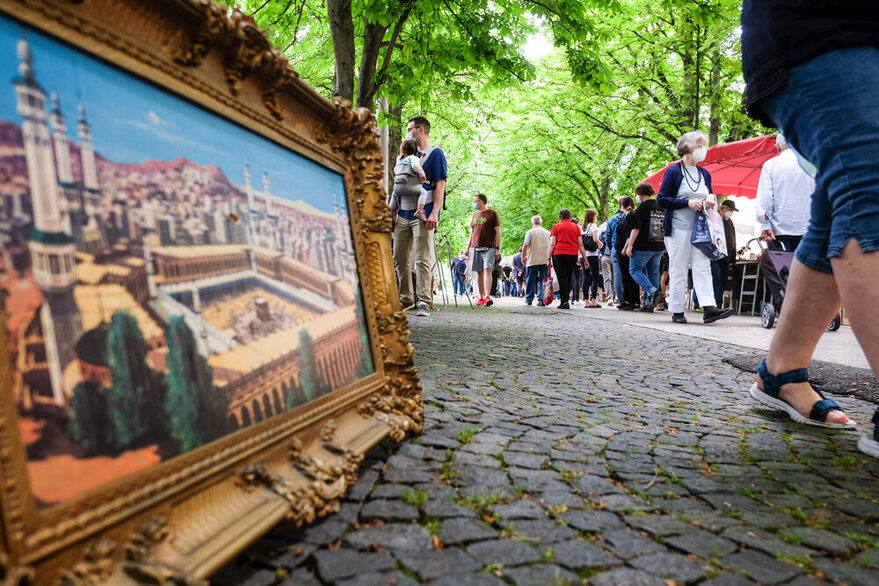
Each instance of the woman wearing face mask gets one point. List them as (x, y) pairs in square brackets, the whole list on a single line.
[(685, 191)]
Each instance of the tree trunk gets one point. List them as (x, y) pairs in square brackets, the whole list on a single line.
[(395, 137), (714, 123), (342, 30), (373, 33)]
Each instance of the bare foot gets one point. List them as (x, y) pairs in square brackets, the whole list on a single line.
[(419, 213), (801, 396)]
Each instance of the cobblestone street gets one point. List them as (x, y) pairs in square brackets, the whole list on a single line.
[(561, 449)]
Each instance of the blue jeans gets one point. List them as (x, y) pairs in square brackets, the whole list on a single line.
[(617, 279), (534, 282), (458, 283), (644, 268), (828, 113)]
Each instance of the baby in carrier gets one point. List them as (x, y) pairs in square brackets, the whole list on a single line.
[(408, 179)]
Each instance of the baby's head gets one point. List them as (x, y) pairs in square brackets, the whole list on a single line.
[(408, 148)]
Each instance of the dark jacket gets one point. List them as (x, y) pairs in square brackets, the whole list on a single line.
[(459, 266), (778, 35), (518, 267), (668, 199), (729, 230)]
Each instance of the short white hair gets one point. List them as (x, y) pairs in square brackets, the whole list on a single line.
[(536, 221), (687, 143), (780, 142)]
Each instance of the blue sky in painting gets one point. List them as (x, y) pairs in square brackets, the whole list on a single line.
[(133, 121)]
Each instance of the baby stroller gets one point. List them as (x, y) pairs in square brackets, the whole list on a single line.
[(775, 266)]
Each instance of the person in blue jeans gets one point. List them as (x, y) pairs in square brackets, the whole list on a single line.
[(646, 245), (818, 83), (535, 251), (611, 231)]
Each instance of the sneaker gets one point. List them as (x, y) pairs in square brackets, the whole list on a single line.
[(678, 318), (488, 301), (527, 303), (481, 301), (564, 306), (540, 303), (407, 305), (870, 445), (711, 314), (423, 310), (653, 300)]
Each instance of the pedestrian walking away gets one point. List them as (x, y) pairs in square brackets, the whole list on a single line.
[(611, 232), (536, 253), (646, 245), (818, 83), (485, 247), (686, 191), (591, 271), (565, 243), (629, 300)]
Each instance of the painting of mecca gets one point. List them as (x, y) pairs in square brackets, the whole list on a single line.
[(167, 276)]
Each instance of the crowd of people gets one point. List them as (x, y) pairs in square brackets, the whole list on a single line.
[(814, 84)]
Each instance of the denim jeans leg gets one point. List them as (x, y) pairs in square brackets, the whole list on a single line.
[(530, 278), (617, 280), (639, 261)]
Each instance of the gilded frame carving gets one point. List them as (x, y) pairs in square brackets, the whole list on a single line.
[(180, 520)]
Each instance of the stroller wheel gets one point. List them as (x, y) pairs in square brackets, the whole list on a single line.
[(834, 325), (768, 316)]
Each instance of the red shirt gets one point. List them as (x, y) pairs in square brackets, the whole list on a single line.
[(567, 235)]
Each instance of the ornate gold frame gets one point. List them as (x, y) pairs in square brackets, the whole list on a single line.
[(180, 520)]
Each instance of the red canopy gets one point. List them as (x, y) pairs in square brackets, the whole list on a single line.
[(735, 166)]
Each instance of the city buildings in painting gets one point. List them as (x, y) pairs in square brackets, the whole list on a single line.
[(153, 307)]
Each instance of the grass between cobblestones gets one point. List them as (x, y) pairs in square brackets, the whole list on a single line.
[(572, 450)]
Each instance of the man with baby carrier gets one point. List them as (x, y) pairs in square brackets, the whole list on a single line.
[(417, 204)]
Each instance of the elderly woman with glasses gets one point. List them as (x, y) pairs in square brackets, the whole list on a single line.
[(685, 191)]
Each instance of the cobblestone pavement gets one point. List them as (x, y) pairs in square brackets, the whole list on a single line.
[(560, 449)]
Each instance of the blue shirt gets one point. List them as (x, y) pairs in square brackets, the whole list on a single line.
[(435, 169), (611, 231)]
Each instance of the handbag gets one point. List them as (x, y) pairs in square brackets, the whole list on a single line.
[(708, 235), (548, 293), (588, 242)]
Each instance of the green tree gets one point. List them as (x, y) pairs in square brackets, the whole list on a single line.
[(130, 404), (365, 365), (195, 409), (88, 425), (311, 384)]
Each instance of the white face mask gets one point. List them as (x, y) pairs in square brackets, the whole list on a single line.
[(727, 215), (699, 154)]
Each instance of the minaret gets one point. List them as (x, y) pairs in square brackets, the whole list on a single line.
[(52, 250), (91, 186), (149, 227), (72, 204), (270, 212), (251, 215)]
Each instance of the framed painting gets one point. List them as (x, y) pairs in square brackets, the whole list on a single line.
[(201, 327)]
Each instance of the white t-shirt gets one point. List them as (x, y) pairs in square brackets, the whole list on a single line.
[(588, 232)]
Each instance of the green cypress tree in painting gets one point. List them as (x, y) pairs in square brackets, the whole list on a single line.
[(182, 398), (194, 408), (309, 380), (88, 426), (365, 365), (128, 406)]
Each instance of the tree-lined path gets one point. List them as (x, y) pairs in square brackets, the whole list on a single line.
[(559, 448)]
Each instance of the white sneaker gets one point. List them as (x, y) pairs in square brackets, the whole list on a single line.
[(423, 310)]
